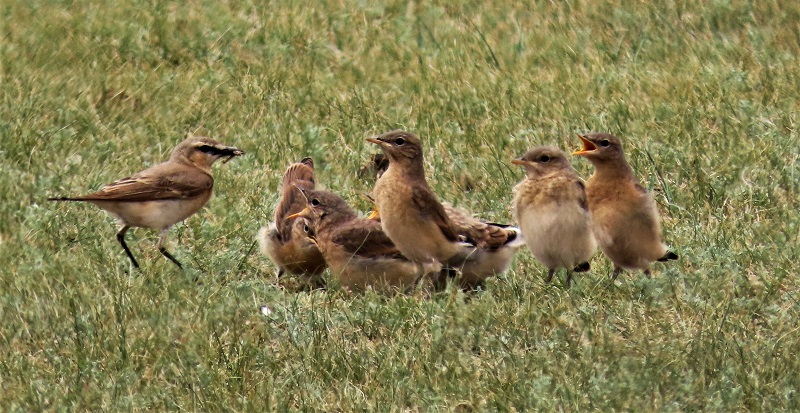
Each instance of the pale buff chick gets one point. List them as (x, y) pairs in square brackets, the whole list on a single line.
[(358, 252), (551, 208), (162, 195), (285, 241), (624, 215)]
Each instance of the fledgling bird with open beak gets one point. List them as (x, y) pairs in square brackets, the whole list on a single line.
[(359, 253), (551, 208), (164, 194), (285, 241), (625, 219), (418, 223)]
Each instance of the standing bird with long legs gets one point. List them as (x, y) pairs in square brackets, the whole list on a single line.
[(550, 207), (164, 194), (625, 219)]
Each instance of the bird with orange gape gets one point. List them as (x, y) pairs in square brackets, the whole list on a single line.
[(413, 240)]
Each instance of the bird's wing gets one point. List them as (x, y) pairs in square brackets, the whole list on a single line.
[(365, 238), (299, 172), (428, 206), (292, 201), (482, 234), (298, 175), (582, 200), (160, 182)]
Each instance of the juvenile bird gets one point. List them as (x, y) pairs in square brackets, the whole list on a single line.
[(359, 253), (551, 208), (498, 243), (418, 223), (285, 241), (625, 219), (164, 194), (495, 245)]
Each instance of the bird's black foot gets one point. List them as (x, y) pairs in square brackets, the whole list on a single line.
[(549, 276)]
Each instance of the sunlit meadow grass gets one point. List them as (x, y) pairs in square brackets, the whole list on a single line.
[(704, 94)]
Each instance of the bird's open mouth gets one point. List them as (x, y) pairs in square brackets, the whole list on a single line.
[(588, 147)]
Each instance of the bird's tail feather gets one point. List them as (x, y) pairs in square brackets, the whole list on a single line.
[(669, 256), (65, 198)]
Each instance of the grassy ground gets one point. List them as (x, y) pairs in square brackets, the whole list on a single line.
[(704, 93)]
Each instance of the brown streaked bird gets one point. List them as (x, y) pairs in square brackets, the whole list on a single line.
[(359, 253), (495, 245), (285, 241), (164, 194), (625, 219), (418, 223), (550, 207)]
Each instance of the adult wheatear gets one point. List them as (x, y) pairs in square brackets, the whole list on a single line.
[(162, 195)]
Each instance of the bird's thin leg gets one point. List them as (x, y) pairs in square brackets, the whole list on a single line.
[(582, 267), (647, 272), (121, 239), (569, 279), (162, 239), (617, 271), (549, 276)]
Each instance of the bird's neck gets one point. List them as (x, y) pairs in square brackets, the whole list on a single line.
[(613, 169), (411, 168), (331, 220), (199, 162)]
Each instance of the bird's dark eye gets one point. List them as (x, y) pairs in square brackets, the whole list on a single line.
[(207, 149), (604, 143), (306, 229), (314, 202), (544, 159), (399, 141)]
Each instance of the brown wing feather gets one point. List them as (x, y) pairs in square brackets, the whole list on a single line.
[(302, 171), (428, 206), (365, 238), (292, 201), (482, 234), (161, 182)]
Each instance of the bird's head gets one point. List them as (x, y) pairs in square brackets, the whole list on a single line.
[(400, 147), (323, 208), (600, 147), (542, 160), (203, 152)]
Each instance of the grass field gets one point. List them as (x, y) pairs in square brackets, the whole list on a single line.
[(704, 94)]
